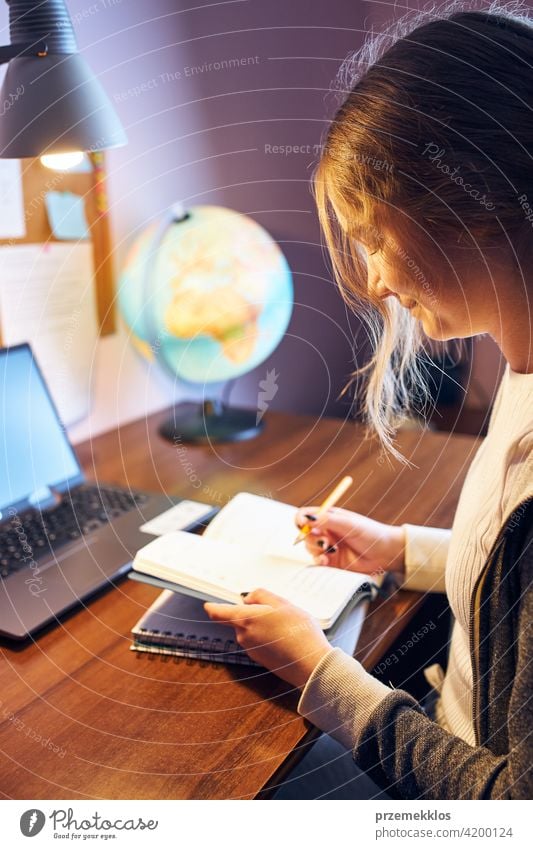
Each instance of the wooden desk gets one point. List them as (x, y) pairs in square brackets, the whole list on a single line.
[(83, 717)]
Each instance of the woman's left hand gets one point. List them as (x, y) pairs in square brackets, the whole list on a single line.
[(275, 633)]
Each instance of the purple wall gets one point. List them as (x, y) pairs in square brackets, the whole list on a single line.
[(207, 137)]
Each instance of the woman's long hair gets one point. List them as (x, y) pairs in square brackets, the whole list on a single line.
[(431, 150)]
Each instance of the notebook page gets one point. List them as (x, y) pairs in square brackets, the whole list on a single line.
[(224, 570), (207, 564), (322, 591), (258, 524)]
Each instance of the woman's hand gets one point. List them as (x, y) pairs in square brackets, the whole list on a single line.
[(274, 633), (351, 541)]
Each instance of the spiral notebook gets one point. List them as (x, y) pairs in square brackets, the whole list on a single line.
[(178, 625)]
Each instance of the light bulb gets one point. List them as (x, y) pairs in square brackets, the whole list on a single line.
[(62, 161)]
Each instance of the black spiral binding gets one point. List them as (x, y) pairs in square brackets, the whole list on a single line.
[(192, 646), (216, 650)]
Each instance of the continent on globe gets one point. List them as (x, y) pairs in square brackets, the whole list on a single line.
[(229, 318), (207, 296)]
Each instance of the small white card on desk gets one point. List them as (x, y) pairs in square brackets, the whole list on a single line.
[(177, 518)]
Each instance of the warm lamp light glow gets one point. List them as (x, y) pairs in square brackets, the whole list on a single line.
[(62, 161)]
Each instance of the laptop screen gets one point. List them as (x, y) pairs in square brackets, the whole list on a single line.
[(35, 454)]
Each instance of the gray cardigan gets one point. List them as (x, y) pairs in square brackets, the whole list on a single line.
[(411, 756)]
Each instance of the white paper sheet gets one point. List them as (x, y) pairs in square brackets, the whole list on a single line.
[(47, 299), (259, 524), (12, 221), (176, 518)]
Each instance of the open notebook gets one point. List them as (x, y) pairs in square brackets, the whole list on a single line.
[(249, 544)]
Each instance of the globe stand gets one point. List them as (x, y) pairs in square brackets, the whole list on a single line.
[(210, 421)]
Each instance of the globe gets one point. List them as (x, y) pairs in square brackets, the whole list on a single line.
[(208, 295)]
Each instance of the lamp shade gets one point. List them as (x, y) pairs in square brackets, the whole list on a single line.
[(53, 103)]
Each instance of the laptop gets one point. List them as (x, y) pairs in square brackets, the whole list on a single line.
[(62, 539)]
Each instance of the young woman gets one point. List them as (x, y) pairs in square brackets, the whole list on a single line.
[(423, 191)]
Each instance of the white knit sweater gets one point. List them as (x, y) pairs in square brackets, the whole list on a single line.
[(340, 696)]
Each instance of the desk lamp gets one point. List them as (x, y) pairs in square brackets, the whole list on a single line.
[(55, 104)]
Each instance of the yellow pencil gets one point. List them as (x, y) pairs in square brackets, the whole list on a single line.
[(330, 501)]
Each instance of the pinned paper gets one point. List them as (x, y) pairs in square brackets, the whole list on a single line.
[(47, 297), (66, 214), (12, 221)]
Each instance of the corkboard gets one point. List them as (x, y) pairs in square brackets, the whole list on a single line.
[(37, 181)]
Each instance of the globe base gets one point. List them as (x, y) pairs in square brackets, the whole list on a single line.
[(210, 421)]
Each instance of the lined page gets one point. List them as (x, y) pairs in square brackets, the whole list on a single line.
[(259, 524), (224, 570), (321, 590), (199, 562)]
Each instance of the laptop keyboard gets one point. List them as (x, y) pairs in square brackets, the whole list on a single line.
[(29, 536)]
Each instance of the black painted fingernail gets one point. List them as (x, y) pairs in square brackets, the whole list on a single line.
[(310, 517), (243, 595), (321, 542), (331, 549)]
